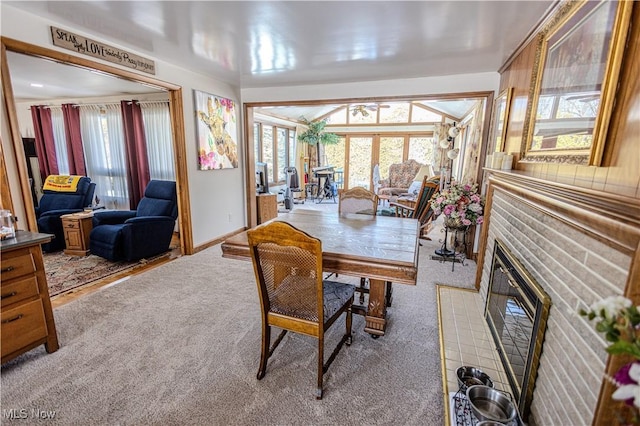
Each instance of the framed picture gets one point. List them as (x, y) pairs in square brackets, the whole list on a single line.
[(574, 81), (501, 108), (217, 132)]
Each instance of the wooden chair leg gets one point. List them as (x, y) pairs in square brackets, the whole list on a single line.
[(320, 366), (389, 293), (348, 324), (264, 354)]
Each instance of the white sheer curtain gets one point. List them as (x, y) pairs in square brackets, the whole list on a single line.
[(157, 128), (102, 136), (60, 140)]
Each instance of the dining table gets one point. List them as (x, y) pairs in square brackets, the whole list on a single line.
[(381, 248)]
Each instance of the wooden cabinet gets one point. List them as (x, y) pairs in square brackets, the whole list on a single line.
[(267, 207), (26, 317), (77, 227)]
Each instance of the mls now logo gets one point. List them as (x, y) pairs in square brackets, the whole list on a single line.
[(15, 413)]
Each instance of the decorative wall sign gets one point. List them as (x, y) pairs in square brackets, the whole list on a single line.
[(217, 132), (574, 79), (96, 49)]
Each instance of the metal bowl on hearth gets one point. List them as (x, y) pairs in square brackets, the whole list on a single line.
[(491, 404), (470, 376)]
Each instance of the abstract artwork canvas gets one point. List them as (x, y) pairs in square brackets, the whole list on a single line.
[(217, 132)]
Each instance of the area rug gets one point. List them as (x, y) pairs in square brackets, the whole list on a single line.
[(65, 272)]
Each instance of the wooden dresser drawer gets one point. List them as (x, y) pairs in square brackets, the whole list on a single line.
[(18, 290), (17, 264), (22, 326)]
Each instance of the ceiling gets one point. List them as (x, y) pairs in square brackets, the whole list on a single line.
[(269, 43)]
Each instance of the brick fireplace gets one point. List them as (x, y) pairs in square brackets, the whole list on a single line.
[(578, 245)]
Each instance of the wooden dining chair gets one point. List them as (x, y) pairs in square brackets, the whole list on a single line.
[(358, 200), (293, 296), (361, 201)]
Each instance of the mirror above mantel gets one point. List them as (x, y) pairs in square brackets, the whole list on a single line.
[(573, 83)]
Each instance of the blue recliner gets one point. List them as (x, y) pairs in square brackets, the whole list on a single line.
[(137, 234), (54, 204)]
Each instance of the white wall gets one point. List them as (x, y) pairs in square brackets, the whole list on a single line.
[(217, 197)]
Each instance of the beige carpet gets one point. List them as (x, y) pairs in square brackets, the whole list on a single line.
[(180, 345), (65, 272)]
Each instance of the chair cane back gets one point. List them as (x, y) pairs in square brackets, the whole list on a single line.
[(293, 296), (358, 200)]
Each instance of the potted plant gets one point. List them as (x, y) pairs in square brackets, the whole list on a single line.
[(315, 135)]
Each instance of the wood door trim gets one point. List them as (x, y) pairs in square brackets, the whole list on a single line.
[(175, 110)]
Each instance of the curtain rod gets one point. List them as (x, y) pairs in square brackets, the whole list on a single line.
[(105, 104)]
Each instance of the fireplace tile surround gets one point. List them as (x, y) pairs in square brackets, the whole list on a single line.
[(579, 252)]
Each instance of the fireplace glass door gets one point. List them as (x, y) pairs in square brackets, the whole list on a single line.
[(516, 312)]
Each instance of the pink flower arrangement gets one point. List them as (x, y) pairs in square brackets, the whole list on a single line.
[(460, 202)]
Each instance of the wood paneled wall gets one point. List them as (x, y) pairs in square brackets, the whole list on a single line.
[(620, 170), (620, 173)]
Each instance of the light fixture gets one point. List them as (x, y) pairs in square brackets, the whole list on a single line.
[(454, 131), (452, 154), (36, 85), (444, 143)]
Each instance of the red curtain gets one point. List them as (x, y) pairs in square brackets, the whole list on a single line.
[(136, 148), (45, 144), (75, 152)]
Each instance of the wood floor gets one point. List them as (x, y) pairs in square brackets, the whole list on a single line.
[(64, 298)]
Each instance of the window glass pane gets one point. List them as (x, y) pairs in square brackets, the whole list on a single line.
[(338, 117), (394, 112), (267, 150), (360, 162), (256, 141), (292, 148), (421, 149), (391, 149), (545, 107), (281, 144), (579, 105), (422, 115), (335, 154)]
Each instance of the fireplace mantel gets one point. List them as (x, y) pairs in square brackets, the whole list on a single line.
[(610, 218)]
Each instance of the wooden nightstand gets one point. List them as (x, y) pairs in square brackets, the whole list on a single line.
[(77, 227)]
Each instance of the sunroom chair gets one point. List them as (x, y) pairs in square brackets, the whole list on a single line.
[(137, 234), (400, 177), (61, 195), (420, 207), (293, 296)]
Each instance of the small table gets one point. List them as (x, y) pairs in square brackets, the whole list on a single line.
[(77, 227)]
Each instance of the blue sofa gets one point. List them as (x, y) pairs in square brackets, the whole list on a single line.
[(137, 234)]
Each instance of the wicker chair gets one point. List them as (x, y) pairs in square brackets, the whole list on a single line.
[(293, 296)]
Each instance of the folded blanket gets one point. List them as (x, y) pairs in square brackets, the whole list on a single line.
[(61, 183)]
